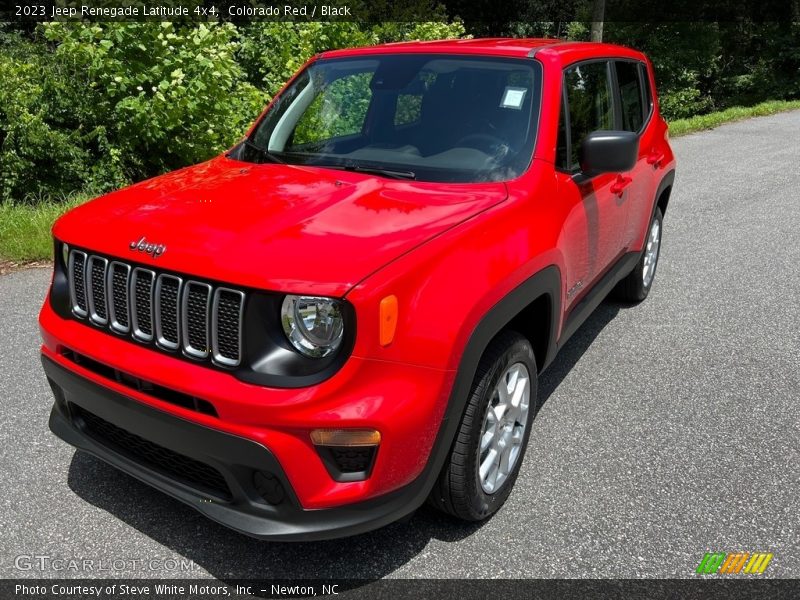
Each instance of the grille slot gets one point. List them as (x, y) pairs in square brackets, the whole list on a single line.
[(77, 282), (194, 311), (96, 289), (142, 313), (189, 471), (204, 321), (168, 289), (117, 284), (226, 324)]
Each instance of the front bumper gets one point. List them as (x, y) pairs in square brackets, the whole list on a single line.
[(237, 459), (406, 403)]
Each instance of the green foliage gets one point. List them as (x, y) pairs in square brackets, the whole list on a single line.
[(162, 95), (39, 152), (409, 109), (93, 106), (340, 109), (704, 66), (25, 228), (271, 52), (683, 98)]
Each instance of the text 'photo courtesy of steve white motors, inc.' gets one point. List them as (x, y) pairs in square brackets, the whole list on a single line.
[(173, 589), (223, 10)]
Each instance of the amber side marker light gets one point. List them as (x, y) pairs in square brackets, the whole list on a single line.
[(348, 454), (346, 437), (388, 316)]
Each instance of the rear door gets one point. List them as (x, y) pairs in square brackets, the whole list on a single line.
[(597, 215), (635, 112)]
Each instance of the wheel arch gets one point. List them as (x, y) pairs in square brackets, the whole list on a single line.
[(663, 199), (515, 310), (532, 309), (534, 322), (663, 193)]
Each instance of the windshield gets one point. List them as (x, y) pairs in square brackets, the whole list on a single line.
[(425, 117)]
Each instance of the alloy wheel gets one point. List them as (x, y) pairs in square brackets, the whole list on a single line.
[(651, 253), (504, 427)]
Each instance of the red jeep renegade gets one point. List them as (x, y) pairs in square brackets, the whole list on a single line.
[(346, 314)]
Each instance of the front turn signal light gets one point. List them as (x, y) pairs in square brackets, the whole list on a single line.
[(346, 437)]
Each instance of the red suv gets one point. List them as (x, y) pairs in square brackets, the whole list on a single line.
[(346, 314)]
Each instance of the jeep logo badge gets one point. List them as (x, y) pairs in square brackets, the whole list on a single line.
[(154, 250)]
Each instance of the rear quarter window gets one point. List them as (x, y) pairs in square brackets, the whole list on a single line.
[(631, 98), (648, 87)]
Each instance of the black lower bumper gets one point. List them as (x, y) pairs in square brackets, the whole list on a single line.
[(221, 469)]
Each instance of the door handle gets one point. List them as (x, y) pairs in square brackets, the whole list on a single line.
[(655, 158), (620, 184)]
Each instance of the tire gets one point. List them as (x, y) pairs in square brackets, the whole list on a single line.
[(460, 490), (636, 285)]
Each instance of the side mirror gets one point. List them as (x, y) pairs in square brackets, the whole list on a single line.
[(609, 152)]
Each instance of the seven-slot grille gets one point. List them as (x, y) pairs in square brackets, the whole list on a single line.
[(203, 321)]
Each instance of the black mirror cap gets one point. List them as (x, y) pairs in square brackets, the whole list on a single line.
[(609, 152)]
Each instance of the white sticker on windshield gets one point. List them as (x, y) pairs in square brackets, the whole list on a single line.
[(513, 97)]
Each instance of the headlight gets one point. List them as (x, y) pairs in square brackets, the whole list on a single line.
[(65, 255), (313, 324)]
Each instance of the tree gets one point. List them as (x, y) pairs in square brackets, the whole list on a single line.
[(598, 14)]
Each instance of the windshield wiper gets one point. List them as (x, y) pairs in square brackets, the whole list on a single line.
[(390, 173), (266, 154)]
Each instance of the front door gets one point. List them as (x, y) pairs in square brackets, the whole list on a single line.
[(597, 218)]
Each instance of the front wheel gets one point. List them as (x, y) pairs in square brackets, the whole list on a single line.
[(636, 286), (487, 453)]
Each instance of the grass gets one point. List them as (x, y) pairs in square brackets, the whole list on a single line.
[(25, 228), (735, 113)]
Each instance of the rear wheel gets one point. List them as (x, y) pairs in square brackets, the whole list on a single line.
[(487, 453), (636, 286)]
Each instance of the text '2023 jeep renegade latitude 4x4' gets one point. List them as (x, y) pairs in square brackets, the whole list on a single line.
[(346, 313)]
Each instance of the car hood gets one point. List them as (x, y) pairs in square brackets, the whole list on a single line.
[(273, 226)]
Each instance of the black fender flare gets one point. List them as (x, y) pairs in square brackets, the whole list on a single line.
[(666, 182), (544, 282)]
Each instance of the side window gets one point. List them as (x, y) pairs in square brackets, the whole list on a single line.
[(409, 109), (339, 109), (590, 103), (562, 147), (409, 100), (648, 97), (630, 95)]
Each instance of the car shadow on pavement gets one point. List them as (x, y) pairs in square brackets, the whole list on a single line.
[(576, 346), (229, 556)]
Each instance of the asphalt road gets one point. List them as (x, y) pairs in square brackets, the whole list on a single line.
[(669, 429)]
